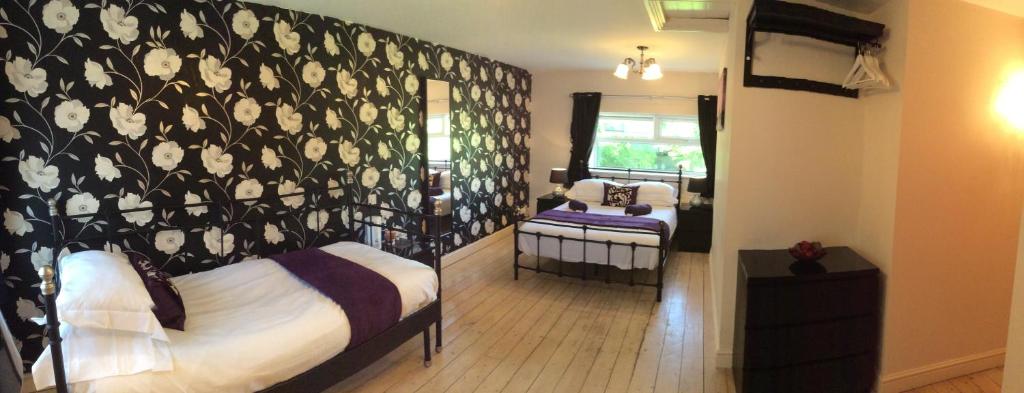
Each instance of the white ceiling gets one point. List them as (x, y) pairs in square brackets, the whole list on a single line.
[(1012, 7), (533, 34)]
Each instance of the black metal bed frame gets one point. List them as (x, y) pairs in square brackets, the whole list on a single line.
[(443, 165), (324, 375), (664, 245)]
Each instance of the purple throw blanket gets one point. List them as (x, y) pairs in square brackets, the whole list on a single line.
[(371, 301), (605, 220)]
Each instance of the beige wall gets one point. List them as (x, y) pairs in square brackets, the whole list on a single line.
[(552, 109), (924, 180), (437, 97), (960, 189)]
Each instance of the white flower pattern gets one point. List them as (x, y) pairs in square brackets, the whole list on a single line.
[(184, 85)]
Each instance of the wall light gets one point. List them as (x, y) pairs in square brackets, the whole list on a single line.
[(1010, 101)]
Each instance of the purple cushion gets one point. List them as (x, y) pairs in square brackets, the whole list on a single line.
[(577, 206), (435, 179), (435, 191), (169, 309), (638, 209), (619, 196)]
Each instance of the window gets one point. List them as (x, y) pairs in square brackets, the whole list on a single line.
[(647, 141), (439, 137)]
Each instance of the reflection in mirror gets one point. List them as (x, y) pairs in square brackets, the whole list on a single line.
[(439, 154)]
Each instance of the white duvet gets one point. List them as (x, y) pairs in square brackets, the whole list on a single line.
[(252, 324), (572, 251)]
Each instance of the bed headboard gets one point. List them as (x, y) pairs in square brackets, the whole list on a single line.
[(439, 165), (634, 175)]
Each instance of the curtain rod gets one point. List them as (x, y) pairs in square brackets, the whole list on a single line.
[(647, 96)]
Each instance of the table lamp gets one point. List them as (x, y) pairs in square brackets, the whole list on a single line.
[(696, 186), (559, 176)]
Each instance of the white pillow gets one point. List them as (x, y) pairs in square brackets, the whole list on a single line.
[(446, 180), (91, 354), (589, 190), (655, 193), (101, 290)]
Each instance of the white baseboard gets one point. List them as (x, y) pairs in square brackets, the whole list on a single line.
[(937, 372), (469, 249)]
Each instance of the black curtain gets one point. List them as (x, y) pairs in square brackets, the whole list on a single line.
[(707, 119), (585, 108)]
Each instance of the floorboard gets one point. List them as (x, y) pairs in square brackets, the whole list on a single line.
[(544, 334), (988, 381)]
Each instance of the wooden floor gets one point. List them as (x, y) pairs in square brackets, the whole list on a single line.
[(543, 333), (988, 381)]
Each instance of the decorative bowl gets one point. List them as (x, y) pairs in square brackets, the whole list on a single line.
[(807, 251)]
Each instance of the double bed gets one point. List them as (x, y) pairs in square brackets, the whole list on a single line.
[(254, 325), (602, 236), (442, 172), (597, 252)]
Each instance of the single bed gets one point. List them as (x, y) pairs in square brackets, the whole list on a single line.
[(253, 325), (233, 310)]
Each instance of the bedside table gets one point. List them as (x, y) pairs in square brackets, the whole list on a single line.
[(549, 201), (693, 233)]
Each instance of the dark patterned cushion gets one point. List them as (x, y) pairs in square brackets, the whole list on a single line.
[(619, 196), (435, 191), (577, 206), (435, 179), (169, 309), (639, 209)]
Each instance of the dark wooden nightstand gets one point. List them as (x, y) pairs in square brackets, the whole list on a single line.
[(693, 233), (811, 327), (549, 201)]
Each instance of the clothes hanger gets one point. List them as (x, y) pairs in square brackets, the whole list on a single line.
[(857, 72), (867, 71)]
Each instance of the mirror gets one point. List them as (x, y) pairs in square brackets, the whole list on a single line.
[(439, 154)]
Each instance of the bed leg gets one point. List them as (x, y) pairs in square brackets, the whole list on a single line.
[(426, 347), (515, 255), (437, 328), (661, 279)]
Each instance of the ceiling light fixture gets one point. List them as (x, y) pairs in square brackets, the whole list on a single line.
[(647, 68)]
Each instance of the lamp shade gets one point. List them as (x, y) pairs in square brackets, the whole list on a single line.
[(652, 72), (622, 71), (696, 185), (559, 176)]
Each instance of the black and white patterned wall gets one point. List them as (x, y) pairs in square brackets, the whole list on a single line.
[(137, 103)]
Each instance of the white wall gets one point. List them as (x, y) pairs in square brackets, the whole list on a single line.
[(793, 172), (883, 118), (1013, 372), (552, 109)]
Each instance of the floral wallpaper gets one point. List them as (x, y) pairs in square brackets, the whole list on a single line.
[(139, 103)]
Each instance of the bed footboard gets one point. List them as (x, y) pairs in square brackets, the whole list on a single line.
[(662, 248)]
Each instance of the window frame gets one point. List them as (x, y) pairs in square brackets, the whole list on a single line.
[(657, 139), (446, 120), (446, 133)]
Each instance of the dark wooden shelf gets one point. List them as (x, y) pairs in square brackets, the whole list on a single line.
[(770, 16)]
